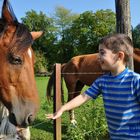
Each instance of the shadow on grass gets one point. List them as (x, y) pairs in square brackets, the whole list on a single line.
[(47, 126), (43, 125)]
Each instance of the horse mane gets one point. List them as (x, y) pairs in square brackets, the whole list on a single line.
[(2, 24), (22, 38)]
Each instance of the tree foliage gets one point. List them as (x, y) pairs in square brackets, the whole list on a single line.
[(84, 35), (63, 18), (136, 36), (67, 34), (37, 22)]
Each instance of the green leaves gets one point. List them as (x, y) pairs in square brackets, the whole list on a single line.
[(136, 36), (67, 34), (88, 29)]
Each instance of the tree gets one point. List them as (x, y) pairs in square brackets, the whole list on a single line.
[(68, 34), (36, 22), (86, 31), (43, 46), (63, 19), (136, 36), (123, 21)]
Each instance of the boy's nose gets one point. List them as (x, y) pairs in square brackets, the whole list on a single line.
[(98, 58)]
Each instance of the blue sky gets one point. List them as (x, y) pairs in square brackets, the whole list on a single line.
[(76, 6)]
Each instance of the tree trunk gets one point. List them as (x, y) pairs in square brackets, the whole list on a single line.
[(123, 21)]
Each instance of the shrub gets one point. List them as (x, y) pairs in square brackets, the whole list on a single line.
[(91, 123), (40, 63)]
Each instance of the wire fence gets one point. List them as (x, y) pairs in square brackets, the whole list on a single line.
[(70, 73), (74, 92)]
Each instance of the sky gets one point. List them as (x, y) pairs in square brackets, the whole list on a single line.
[(20, 7)]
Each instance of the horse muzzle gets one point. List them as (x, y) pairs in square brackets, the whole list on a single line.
[(21, 122)]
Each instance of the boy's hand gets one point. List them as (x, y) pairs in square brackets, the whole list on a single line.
[(49, 116), (55, 115)]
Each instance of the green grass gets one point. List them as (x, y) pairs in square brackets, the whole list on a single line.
[(90, 117), (42, 129)]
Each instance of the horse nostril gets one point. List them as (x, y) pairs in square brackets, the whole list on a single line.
[(12, 119), (29, 119)]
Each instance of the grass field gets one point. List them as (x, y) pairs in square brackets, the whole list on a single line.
[(90, 119)]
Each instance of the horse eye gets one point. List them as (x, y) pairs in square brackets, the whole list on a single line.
[(16, 60)]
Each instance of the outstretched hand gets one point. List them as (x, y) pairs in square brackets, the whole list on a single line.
[(55, 115)]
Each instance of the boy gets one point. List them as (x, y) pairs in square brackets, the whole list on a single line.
[(120, 89)]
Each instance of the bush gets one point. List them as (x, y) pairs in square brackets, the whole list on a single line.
[(40, 63), (91, 123)]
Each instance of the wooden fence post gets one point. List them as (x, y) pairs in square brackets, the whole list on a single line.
[(57, 101)]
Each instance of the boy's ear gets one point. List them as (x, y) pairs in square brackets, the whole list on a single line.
[(121, 55)]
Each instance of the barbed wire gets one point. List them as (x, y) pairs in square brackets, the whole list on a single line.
[(72, 73), (48, 74), (94, 73), (38, 124)]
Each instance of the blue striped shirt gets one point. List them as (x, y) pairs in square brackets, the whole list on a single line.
[(121, 96)]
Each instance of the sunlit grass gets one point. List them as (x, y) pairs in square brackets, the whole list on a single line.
[(42, 129)]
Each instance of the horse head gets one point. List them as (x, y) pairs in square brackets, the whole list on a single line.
[(18, 90)]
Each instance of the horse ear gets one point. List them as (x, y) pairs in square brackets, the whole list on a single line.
[(8, 13), (36, 35)]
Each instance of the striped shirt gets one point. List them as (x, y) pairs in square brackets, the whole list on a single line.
[(121, 96)]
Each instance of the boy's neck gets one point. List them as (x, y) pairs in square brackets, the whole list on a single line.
[(118, 70)]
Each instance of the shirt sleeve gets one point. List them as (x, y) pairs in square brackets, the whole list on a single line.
[(95, 89), (137, 88)]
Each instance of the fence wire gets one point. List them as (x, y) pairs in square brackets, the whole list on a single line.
[(49, 74)]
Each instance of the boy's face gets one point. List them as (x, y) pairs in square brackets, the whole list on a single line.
[(107, 59)]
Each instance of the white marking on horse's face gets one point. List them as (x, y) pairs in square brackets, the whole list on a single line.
[(30, 53)]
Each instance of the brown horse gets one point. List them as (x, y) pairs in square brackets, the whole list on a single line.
[(83, 70), (18, 92)]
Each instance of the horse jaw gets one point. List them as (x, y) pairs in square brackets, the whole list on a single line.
[(36, 35)]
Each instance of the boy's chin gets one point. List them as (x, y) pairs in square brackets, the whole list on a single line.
[(104, 68)]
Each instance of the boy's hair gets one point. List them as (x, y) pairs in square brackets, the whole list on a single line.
[(118, 42)]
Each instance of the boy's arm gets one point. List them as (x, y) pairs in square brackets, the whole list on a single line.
[(77, 101)]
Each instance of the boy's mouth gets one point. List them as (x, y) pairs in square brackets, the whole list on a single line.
[(101, 62)]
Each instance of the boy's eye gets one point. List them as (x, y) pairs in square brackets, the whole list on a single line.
[(101, 53)]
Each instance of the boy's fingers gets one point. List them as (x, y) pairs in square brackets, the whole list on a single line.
[(49, 116), (54, 117)]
